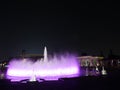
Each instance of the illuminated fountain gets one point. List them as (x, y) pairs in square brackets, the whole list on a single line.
[(62, 66), (45, 55), (104, 72)]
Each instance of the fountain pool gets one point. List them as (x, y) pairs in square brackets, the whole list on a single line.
[(62, 66)]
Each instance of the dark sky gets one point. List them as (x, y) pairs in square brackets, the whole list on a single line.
[(88, 26)]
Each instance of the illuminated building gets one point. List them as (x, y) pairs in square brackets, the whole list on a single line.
[(91, 61)]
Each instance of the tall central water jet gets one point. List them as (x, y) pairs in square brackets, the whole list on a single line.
[(60, 66), (45, 55)]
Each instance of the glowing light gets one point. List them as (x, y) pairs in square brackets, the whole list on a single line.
[(54, 68)]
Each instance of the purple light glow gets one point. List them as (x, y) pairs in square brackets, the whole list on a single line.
[(54, 68)]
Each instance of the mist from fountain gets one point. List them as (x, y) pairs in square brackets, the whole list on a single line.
[(62, 66)]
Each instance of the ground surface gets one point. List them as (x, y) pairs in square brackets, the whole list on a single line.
[(81, 83), (109, 82)]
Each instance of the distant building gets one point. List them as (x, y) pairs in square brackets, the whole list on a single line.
[(34, 56), (112, 61), (90, 61)]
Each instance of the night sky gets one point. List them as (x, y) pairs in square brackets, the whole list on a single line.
[(60, 25)]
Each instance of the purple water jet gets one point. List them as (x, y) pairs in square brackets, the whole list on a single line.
[(64, 66)]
